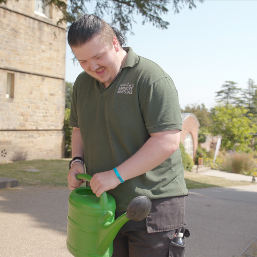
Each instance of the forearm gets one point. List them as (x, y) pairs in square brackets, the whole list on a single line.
[(158, 148), (77, 167), (76, 144)]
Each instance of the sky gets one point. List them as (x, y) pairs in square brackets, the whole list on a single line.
[(201, 49)]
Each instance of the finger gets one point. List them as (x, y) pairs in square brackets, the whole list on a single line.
[(99, 192), (74, 183)]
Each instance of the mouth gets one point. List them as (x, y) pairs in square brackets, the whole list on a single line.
[(100, 71)]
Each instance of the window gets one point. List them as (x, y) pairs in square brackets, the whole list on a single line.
[(10, 85), (189, 145), (42, 9)]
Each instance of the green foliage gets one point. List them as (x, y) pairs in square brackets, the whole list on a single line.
[(121, 12), (217, 165), (202, 134), (68, 132), (200, 153), (68, 94), (230, 123), (202, 114), (186, 158), (201, 138)]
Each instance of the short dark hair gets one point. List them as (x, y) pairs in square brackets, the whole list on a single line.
[(88, 26)]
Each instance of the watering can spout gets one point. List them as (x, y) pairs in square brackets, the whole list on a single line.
[(137, 210), (108, 231)]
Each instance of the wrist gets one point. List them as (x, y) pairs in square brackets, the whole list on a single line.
[(76, 159), (118, 175)]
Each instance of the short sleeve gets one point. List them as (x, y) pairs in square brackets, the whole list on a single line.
[(160, 107), (73, 121)]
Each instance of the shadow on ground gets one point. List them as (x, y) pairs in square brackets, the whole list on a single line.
[(47, 206)]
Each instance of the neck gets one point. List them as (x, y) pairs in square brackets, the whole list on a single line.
[(123, 56)]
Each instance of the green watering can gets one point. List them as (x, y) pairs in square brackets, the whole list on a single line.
[(91, 226)]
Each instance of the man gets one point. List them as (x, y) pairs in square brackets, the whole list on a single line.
[(126, 131)]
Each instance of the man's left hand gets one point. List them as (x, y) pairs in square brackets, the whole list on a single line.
[(103, 181)]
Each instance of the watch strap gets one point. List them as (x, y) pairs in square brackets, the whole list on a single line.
[(76, 159)]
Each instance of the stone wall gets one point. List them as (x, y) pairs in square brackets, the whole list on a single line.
[(31, 145), (32, 48), (31, 44)]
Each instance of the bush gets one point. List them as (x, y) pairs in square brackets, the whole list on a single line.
[(200, 153), (201, 138), (210, 154), (68, 131), (186, 158), (216, 165), (202, 134), (241, 163)]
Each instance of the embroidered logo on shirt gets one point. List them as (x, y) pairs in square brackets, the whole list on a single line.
[(125, 88)]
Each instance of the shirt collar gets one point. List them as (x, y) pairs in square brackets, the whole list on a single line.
[(131, 59)]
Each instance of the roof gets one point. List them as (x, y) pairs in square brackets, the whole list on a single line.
[(185, 115)]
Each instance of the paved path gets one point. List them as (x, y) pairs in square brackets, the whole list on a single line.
[(228, 175), (33, 222), (222, 221)]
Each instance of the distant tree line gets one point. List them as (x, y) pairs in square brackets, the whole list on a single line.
[(234, 116)]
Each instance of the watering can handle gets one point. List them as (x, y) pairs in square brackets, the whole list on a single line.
[(103, 198), (84, 176)]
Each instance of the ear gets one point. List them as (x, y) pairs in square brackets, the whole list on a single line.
[(116, 44)]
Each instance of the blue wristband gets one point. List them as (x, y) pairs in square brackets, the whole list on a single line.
[(118, 175)]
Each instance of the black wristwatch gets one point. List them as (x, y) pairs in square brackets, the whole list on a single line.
[(76, 159)]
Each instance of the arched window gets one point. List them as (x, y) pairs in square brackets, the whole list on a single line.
[(189, 145)]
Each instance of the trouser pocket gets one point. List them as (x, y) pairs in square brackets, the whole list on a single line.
[(177, 250)]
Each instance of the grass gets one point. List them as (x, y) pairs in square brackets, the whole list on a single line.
[(50, 172), (54, 173), (196, 180)]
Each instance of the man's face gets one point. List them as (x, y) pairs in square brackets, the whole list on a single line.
[(99, 59)]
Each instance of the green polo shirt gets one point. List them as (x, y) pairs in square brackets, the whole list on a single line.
[(116, 121)]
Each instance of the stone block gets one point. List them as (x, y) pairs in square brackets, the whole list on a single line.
[(8, 182)]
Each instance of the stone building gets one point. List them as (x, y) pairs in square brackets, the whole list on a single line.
[(32, 81), (189, 133)]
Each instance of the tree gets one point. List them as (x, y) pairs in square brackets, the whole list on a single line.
[(121, 11), (68, 94), (68, 132), (249, 99), (228, 94), (201, 112), (233, 126)]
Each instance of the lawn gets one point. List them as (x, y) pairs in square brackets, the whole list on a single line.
[(196, 180), (54, 173), (37, 172)]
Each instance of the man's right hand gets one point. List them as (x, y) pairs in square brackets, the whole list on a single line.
[(76, 169)]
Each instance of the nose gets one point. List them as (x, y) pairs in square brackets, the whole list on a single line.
[(93, 66)]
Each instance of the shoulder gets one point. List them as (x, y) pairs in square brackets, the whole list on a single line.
[(151, 70), (148, 74)]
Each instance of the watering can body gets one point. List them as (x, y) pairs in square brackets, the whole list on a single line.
[(91, 226), (84, 215)]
